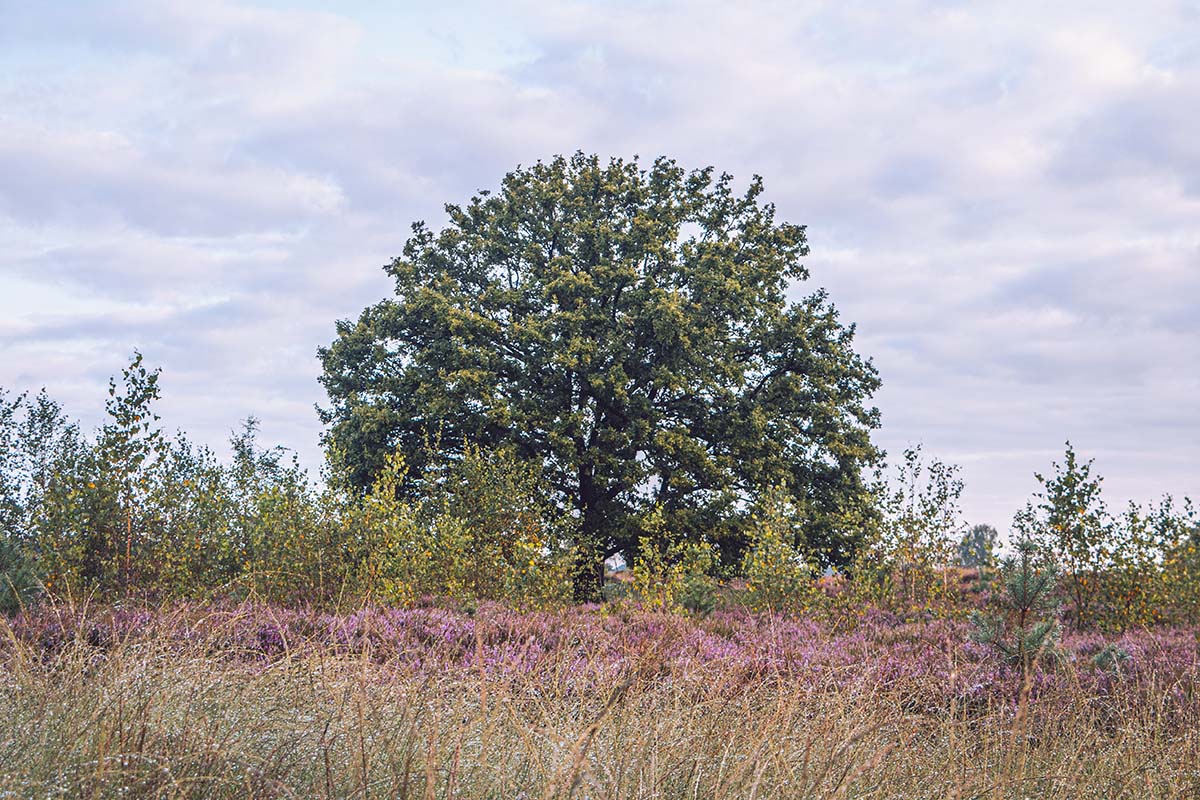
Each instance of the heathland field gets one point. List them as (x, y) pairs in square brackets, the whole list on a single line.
[(176, 626), (600, 516), (559, 460), (601, 702)]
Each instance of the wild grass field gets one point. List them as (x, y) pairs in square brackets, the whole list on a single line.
[(256, 700), (174, 626), (585, 487)]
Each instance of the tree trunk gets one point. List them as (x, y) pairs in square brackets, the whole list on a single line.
[(588, 579)]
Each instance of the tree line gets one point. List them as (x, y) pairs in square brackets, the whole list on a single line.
[(129, 511), (595, 360)]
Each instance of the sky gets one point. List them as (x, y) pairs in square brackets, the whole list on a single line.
[(1004, 198)]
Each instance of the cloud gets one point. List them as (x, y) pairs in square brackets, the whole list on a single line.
[(77, 178), (1143, 135), (1003, 199)]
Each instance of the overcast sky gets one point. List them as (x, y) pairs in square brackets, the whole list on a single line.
[(1005, 197)]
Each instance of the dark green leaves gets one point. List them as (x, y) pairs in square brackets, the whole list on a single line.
[(626, 328)]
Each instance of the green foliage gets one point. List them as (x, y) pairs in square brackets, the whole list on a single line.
[(285, 539), (1134, 569), (1181, 562), (977, 548), (698, 595), (478, 530), (909, 548), (128, 450), (20, 584), (668, 569), (12, 506), (186, 513), (1024, 629), (629, 331), (519, 542), (294, 545), (139, 512), (1110, 658), (386, 543), (780, 573), (1154, 570), (50, 496), (1071, 521), (1131, 585), (133, 511)]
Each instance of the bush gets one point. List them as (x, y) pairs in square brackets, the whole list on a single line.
[(1181, 565), (780, 574), (1135, 569), (904, 563), (19, 582), (698, 595), (1111, 658), (517, 542), (666, 569), (133, 512), (479, 530), (1070, 521), (1024, 629)]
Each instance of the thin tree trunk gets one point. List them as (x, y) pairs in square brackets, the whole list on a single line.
[(128, 545), (588, 580)]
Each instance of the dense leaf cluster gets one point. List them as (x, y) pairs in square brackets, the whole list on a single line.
[(132, 511), (631, 331), (1117, 571)]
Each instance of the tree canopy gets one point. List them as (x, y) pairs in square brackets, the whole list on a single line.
[(629, 329)]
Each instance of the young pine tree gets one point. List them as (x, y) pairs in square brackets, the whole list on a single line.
[(1025, 629)]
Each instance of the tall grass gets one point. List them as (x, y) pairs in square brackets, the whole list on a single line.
[(257, 701)]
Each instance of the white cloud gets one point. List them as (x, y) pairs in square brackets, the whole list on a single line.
[(1002, 198)]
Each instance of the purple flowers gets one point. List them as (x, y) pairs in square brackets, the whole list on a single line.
[(930, 664)]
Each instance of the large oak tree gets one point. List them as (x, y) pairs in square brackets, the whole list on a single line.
[(630, 329)]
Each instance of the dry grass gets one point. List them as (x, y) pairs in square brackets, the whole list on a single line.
[(139, 718)]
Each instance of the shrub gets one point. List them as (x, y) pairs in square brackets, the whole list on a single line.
[(294, 550), (516, 540), (904, 561), (284, 538), (1180, 540), (1131, 581), (131, 511), (1111, 658), (189, 512), (1024, 629), (20, 585), (55, 499), (478, 531), (667, 569), (1071, 522), (780, 574), (698, 595), (1135, 569)]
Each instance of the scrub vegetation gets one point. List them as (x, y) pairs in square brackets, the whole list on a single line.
[(179, 626), (612, 701), (600, 517)]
